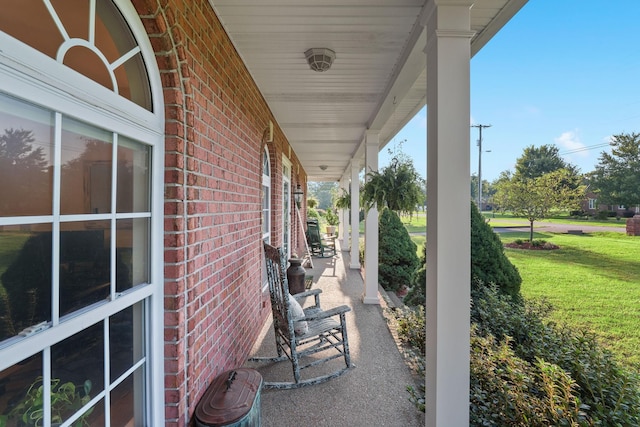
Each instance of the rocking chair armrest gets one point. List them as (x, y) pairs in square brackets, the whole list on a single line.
[(312, 292), (323, 314), (308, 293)]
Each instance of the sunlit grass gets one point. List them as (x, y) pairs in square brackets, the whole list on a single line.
[(593, 280)]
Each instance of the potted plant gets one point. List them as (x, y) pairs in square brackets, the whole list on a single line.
[(65, 398), (332, 220)]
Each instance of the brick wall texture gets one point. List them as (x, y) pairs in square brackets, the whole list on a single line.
[(215, 120)]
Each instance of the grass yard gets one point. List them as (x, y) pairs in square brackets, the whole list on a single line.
[(593, 280)]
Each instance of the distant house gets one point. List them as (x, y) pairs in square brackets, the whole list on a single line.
[(591, 207)]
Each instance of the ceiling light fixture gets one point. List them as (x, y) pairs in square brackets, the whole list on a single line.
[(320, 58), (323, 167)]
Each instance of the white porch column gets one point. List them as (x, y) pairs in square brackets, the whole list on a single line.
[(343, 230), (355, 219), (448, 209), (371, 226)]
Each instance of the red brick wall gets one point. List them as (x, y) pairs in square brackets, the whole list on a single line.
[(215, 119)]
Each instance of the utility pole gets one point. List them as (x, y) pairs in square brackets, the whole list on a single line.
[(480, 127)]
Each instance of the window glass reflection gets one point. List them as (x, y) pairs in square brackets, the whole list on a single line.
[(86, 169), (78, 363), (30, 22), (85, 267), (133, 176), (126, 343), (18, 386), (25, 277), (26, 147), (132, 251), (127, 401)]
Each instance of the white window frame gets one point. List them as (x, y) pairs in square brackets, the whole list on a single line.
[(34, 77), (266, 186), (592, 204), (286, 202)]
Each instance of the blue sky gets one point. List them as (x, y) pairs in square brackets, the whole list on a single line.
[(561, 72)]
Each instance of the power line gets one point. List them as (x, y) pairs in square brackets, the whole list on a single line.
[(590, 147)]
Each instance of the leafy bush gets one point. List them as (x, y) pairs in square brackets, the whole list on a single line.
[(604, 393), (397, 259), (602, 215), (313, 213), (506, 390), (416, 295), (538, 243), (411, 327), (489, 264)]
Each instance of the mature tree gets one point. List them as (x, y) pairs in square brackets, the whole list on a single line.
[(537, 161), (617, 175), (397, 186), (535, 198), (322, 192), (487, 188), (24, 173)]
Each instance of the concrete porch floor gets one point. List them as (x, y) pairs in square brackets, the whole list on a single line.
[(371, 394)]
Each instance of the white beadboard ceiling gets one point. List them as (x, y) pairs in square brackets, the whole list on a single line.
[(377, 81)]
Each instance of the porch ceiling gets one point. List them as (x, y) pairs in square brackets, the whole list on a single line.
[(377, 81)]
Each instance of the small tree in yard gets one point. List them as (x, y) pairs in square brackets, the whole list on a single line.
[(535, 198), (397, 258)]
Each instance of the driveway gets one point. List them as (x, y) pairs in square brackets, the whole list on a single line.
[(542, 226)]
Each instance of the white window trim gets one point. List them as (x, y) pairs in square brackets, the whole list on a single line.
[(286, 216)]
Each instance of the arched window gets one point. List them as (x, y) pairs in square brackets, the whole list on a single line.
[(80, 213), (91, 37)]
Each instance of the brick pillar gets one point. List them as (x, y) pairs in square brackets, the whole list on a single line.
[(633, 226)]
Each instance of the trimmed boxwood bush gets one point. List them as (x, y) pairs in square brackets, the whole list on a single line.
[(489, 264), (397, 258)]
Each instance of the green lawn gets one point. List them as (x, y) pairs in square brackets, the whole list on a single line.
[(593, 280)]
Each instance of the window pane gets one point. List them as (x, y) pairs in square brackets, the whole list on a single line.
[(25, 277), (133, 176), (84, 264), (127, 401), (30, 22), (126, 343), (132, 263), (15, 384), (26, 147), (115, 39), (77, 363), (86, 169)]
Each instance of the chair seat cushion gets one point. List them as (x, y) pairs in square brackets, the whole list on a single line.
[(300, 327)]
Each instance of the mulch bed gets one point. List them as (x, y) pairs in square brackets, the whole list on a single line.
[(527, 245)]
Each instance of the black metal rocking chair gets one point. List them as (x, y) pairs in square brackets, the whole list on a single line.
[(319, 245), (323, 339)]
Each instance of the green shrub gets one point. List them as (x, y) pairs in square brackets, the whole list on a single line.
[(508, 391), (604, 392), (416, 295), (489, 264), (313, 213), (412, 327), (397, 259)]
